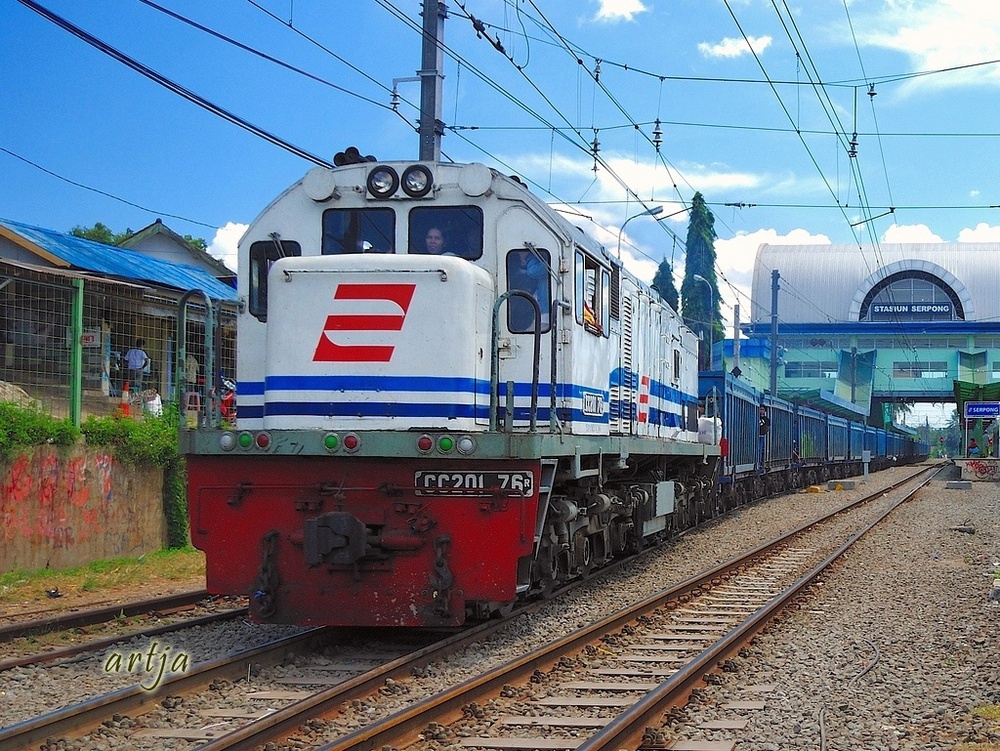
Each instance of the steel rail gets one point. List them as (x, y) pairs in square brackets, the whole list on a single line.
[(628, 728), (89, 714), (405, 726), (39, 658), (91, 616)]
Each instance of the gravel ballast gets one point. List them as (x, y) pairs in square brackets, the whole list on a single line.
[(911, 603)]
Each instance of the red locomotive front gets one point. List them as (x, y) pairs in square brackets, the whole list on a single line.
[(381, 542)]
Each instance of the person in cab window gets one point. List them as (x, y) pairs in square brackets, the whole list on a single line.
[(531, 275), (434, 242)]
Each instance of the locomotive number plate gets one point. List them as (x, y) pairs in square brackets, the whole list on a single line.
[(515, 484)]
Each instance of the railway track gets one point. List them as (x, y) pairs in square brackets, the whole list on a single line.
[(122, 621), (661, 669)]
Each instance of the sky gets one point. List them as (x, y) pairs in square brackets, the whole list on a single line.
[(846, 121)]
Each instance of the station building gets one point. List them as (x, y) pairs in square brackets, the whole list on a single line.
[(865, 327)]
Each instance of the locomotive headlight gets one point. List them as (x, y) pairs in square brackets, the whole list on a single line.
[(417, 181), (382, 182), (227, 441), (466, 444)]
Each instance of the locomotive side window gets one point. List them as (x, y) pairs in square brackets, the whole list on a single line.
[(449, 231), (593, 295), (528, 270), (262, 257), (358, 231)]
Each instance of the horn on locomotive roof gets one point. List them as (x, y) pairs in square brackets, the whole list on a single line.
[(351, 155)]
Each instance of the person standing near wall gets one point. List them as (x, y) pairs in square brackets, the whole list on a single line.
[(136, 361)]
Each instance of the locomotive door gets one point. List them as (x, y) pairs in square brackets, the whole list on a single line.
[(528, 260)]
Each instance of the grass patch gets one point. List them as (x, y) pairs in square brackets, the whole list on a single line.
[(139, 577), (987, 711)]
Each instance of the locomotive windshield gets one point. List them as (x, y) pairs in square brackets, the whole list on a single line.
[(452, 230), (358, 231)]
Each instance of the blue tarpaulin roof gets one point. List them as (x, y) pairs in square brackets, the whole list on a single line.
[(88, 255)]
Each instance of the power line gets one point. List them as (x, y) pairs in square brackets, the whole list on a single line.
[(171, 85), (104, 192)]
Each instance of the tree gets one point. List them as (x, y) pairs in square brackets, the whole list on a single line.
[(700, 308), (663, 282), (100, 233), (198, 242)]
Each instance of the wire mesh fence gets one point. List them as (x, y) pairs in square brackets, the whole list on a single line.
[(66, 339)]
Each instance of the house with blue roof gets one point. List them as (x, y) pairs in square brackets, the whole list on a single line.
[(71, 307)]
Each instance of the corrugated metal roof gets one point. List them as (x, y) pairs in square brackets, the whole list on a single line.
[(826, 283), (118, 262)]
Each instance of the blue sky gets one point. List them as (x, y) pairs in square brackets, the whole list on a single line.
[(735, 85)]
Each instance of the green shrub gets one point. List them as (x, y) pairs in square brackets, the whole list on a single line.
[(21, 427)]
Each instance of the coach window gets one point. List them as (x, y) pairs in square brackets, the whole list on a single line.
[(593, 291), (262, 258), (447, 231), (528, 270), (358, 231)]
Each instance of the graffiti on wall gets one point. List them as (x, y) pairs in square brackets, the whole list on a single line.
[(48, 499), (63, 507)]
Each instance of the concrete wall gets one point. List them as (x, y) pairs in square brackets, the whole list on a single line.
[(61, 508)]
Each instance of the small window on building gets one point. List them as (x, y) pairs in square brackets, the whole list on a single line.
[(528, 271), (675, 376), (449, 231), (358, 231), (262, 257), (593, 295)]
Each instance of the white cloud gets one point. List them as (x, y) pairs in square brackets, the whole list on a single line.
[(619, 10), (910, 233), (983, 233), (734, 47), (938, 34), (223, 245), (735, 258)]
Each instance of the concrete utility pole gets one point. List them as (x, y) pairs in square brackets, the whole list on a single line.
[(774, 332), (431, 77)]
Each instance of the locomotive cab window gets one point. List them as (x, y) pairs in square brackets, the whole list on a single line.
[(447, 231), (593, 295), (528, 271), (358, 231), (262, 257)]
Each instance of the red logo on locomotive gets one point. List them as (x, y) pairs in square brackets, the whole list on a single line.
[(643, 398), (328, 350)]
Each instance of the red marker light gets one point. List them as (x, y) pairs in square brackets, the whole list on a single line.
[(351, 442), (425, 443), (263, 440)]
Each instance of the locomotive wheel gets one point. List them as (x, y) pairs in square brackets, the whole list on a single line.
[(583, 553)]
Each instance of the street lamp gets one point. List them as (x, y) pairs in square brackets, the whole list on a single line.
[(711, 322), (648, 212)]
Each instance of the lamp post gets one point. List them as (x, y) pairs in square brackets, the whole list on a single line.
[(711, 316), (648, 212)]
